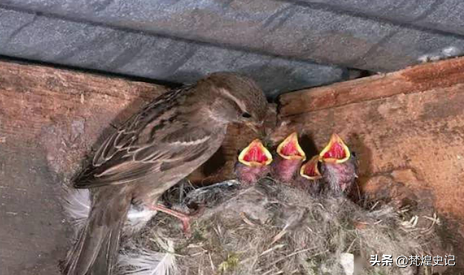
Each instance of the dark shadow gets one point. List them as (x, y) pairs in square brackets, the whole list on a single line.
[(23, 61), (308, 145), (212, 166), (187, 76), (277, 80), (363, 155)]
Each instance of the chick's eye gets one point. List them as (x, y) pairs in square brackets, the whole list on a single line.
[(246, 115)]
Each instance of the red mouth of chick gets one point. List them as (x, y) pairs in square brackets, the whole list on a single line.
[(310, 170), (336, 151), (255, 155), (290, 148)]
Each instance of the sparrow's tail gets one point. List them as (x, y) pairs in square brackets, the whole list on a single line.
[(96, 249)]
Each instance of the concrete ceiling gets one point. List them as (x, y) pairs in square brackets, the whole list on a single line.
[(285, 45)]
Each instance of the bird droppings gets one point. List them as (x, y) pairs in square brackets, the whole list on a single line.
[(271, 228)]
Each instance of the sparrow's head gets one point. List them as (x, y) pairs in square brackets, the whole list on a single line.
[(336, 151), (255, 155), (310, 170), (239, 99), (290, 148)]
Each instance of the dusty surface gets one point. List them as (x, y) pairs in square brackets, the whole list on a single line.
[(49, 120)]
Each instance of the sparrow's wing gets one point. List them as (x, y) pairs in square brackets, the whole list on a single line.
[(154, 141)]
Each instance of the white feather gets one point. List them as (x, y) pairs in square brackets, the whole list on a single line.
[(77, 203), (141, 261), (137, 219)]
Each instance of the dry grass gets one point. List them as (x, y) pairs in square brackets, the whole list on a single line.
[(273, 229)]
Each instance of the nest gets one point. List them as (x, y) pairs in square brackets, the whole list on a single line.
[(271, 228)]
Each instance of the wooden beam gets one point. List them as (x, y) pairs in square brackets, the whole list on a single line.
[(411, 80)]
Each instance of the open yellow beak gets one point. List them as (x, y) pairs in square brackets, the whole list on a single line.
[(290, 148), (255, 155), (310, 169), (336, 151)]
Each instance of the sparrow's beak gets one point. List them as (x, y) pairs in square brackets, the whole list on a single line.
[(310, 169), (290, 148), (336, 151), (258, 128), (255, 155)]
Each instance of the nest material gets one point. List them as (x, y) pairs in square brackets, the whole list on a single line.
[(271, 228)]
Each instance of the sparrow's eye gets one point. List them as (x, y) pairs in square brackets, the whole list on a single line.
[(246, 115)]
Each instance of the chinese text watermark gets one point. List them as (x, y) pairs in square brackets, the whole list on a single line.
[(405, 261)]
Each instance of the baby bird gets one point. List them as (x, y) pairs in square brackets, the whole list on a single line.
[(338, 167), (310, 178), (288, 160), (253, 163)]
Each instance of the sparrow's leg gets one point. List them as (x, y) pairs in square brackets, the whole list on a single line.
[(183, 217)]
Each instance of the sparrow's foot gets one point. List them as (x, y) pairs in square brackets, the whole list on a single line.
[(183, 217)]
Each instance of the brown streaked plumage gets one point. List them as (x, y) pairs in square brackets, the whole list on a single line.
[(152, 151)]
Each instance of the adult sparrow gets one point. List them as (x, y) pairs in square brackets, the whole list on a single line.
[(253, 163), (288, 160), (156, 148), (339, 166), (310, 177)]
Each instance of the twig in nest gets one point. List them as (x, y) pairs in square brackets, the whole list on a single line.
[(279, 236), (246, 220), (435, 219), (351, 245), (269, 272), (375, 205), (272, 249), (292, 254), (411, 223), (211, 262)]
